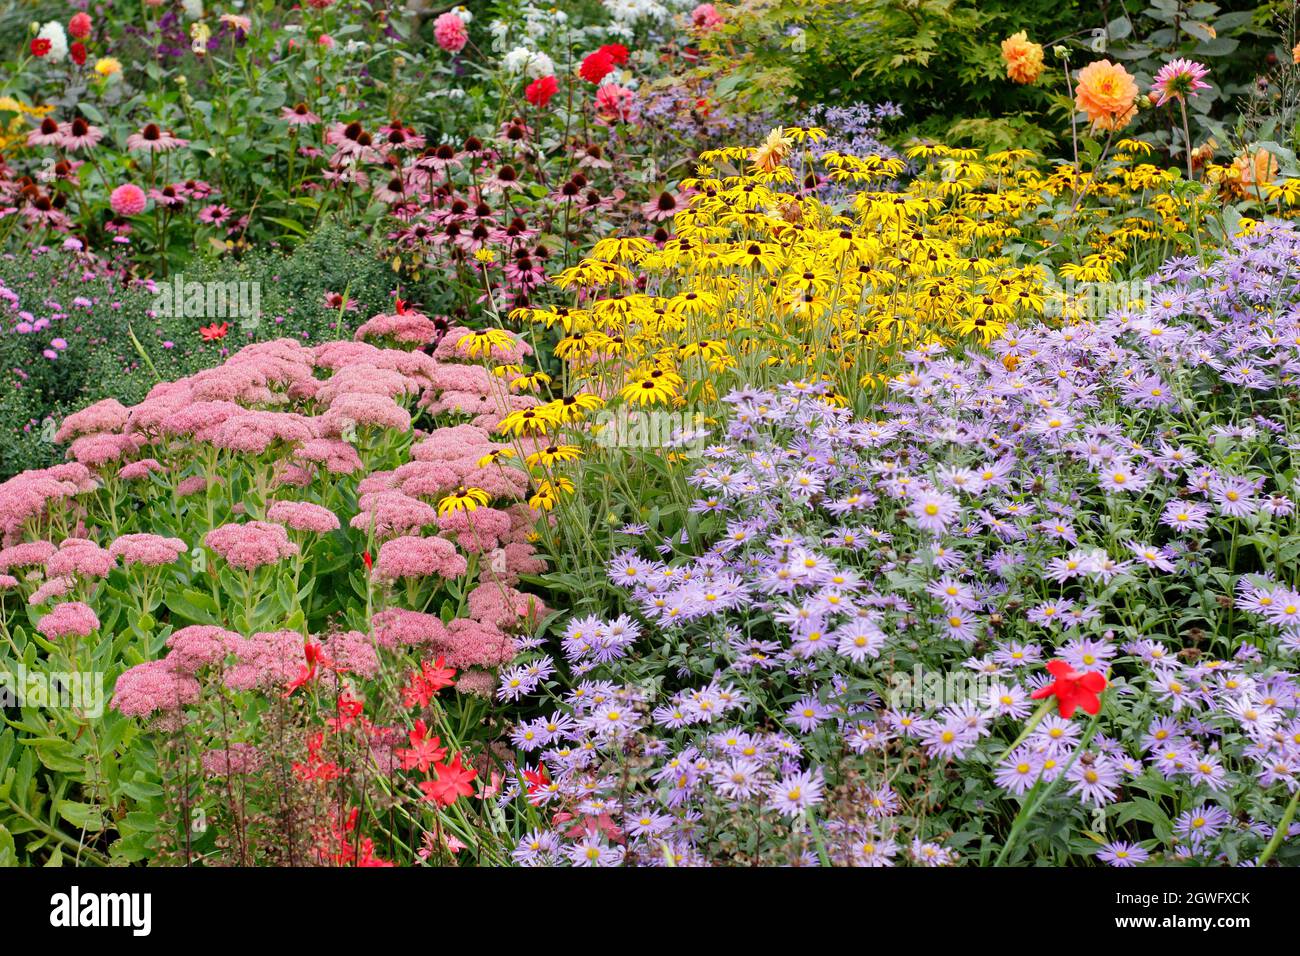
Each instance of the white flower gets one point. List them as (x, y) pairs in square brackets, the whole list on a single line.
[(529, 62), (465, 16), (628, 12), (53, 31), (540, 65), (193, 8)]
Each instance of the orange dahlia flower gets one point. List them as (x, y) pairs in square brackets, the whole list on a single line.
[(1108, 94), (1024, 59)]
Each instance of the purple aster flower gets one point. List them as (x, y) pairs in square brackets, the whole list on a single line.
[(1122, 853)]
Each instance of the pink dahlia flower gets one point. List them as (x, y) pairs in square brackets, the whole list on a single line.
[(449, 30), (128, 200), (1179, 79)]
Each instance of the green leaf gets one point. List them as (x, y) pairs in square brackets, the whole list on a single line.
[(83, 816)]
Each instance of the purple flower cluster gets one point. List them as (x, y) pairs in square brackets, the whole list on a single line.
[(1111, 492)]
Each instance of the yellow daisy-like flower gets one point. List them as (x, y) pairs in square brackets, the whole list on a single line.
[(483, 341), (463, 499), (493, 457), (548, 493), (772, 152), (649, 390), (552, 453), (532, 421), (530, 383)]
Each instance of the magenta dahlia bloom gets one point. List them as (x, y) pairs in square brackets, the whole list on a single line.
[(1179, 79)]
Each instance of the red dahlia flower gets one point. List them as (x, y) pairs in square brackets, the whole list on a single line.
[(617, 52), (214, 332), (1072, 688), (596, 66), (40, 46), (540, 91)]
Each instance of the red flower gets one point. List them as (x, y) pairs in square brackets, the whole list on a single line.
[(40, 46), (453, 783), (78, 53), (316, 768), (540, 91), (367, 560), (315, 657), (214, 332), (596, 66), (537, 779), (424, 750), (79, 26), (349, 709), (1072, 688), (423, 685), (617, 52)]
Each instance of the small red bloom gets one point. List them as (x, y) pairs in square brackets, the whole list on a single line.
[(424, 750), (453, 782), (79, 26), (596, 66), (316, 768), (40, 46), (1072, 688), (214, 332), (350, 708), (78, 53), (537, 779), (315, 657), (540, 91), (617, 52), (423, 685), (367, 560)]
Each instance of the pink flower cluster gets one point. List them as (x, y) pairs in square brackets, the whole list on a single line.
[(71, 619), (252, 544), (450, 33)]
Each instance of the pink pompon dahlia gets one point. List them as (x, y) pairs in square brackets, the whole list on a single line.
[(449, 30), (128, 199), (1179, 79)]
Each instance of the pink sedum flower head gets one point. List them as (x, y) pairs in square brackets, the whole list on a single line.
[(251, 545), (151, 550), (412, 557), (1179, 79), (303, 516), (71, 619)]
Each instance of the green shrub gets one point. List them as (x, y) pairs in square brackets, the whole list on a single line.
[(95, 309)]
